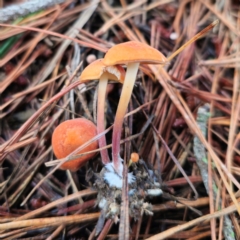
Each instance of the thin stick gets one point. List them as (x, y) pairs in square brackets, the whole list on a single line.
[(52, 221)]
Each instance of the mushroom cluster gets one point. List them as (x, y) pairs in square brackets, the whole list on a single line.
[(131, 54), (142, 181)]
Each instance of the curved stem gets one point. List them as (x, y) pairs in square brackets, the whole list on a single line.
[(102, 89), (128, 85)]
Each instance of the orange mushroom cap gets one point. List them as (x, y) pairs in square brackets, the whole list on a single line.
[(70, 135), (133, 51), (134, 157), (95, 70)]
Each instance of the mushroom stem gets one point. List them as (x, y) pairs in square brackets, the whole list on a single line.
[(102, 89), (128, 85)]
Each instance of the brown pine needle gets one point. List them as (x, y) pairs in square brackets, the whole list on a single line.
[(193, 39)]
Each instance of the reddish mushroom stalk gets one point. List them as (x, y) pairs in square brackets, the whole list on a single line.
[(131, 74)]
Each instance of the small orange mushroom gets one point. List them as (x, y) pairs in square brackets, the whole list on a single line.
[(134, 158), (98, 71), (131, 53), (70, 135)]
